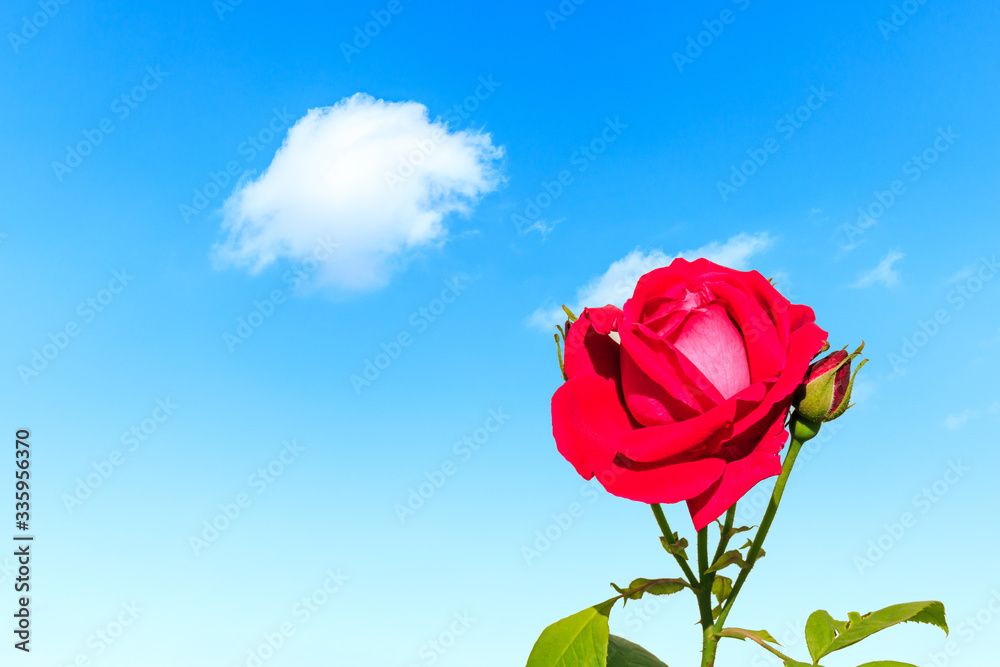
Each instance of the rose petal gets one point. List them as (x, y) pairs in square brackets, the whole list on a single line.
[(776, 306), (765, 352), (658, 282), (804, 343), (739, 477), (710, 341), (588, 347), (660, 384), (587, 419), (668, 484), (703, 433), (800, 315)]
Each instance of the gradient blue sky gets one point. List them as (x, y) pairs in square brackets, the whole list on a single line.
[(887, 96)]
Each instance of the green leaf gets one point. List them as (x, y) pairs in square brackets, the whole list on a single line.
[(793, 663), (640, 586), (736, 531), (721, 588), (825, 635), (677, 548), (733, 557), (580, 639), (821, 630), (758, 636), (623, 653), (887, 663)]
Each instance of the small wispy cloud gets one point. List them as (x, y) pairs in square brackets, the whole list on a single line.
[(883, 274), (543, 227), (962, 274), (817, 216), (953, 422), (863, 389), (616, 285)]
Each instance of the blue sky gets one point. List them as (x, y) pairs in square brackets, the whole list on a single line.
[(157, 261)]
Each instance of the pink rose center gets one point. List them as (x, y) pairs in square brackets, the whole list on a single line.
[(710, 341)]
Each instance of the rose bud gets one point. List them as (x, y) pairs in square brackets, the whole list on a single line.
[(826, 392)]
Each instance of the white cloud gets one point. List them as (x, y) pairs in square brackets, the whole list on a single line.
[(962, 274), (954, 422), (616, 285), (863, 389), (375, 177), (883, 274), (543, 227)]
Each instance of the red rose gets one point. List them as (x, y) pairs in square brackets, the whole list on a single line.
[(683, 394)]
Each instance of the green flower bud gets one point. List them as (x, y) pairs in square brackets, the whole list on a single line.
[(826, 392)]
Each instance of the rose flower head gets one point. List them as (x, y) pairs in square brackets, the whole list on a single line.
[(683, 393)]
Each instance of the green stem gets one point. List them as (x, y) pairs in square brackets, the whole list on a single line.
[(705, 590), (668, 535), (801, 430), (710, 643), (724, 537)]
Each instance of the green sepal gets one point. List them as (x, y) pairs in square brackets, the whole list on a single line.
[(846, 403), (559, 356)]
